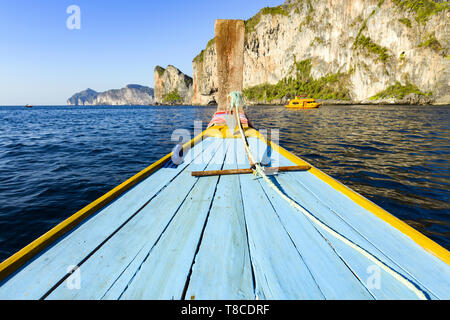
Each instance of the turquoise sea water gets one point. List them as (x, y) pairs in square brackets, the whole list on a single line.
[(56, 160)]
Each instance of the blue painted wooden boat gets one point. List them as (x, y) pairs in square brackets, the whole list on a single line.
[(164, 234)]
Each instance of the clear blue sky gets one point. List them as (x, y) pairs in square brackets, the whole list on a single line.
[(120, 42)]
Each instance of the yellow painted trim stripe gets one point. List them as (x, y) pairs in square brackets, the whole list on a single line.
[(17, 260), (419, 238), (220, 131)]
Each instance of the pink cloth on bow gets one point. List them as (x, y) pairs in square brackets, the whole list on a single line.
[(218, 118)]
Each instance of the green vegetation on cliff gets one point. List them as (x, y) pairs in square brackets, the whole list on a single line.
[(172, 97), (331, 86), (211, 42), (201, 56), (406, 22), (251, 23), (399, 91), (432, 43), (423, 9), (364, 25), (317, 41), (160, 70), (367, 44)]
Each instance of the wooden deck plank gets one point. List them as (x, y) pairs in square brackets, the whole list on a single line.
[(333, 276), (280, 272), (222, 267), (120, 284), (34, 279), (264, 154), (390, 288), (164, 272), (376, 243), (130, 243)]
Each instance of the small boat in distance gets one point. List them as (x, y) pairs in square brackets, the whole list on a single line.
[(28, 106), (299, 103)]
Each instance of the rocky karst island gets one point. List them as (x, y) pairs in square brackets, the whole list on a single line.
[(132, 94), (172, 86), (343, 51)]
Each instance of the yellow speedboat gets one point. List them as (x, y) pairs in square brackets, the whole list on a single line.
[(299, 103)]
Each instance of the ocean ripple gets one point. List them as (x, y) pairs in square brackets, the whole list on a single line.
[(56, 160)]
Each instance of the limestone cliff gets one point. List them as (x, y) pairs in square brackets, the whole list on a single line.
[(368, 51), (205, 76), (132, 94), (172, 87)]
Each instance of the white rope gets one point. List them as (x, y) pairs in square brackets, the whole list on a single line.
[(260, 171)]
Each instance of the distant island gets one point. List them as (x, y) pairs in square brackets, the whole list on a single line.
[(172, 87), (132, 94)]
